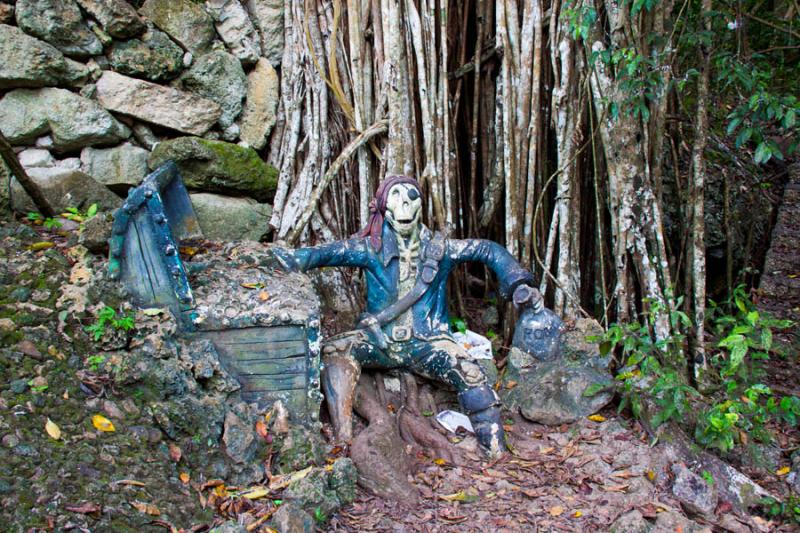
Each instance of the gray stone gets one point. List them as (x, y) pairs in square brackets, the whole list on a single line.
[(226, 218), (36, 157), (552, 392), (116, 168), (672, 521), (60, 23), (300, 448), (575, 343), (218, 76), (263, 92), (21, 294), (145, 136), (218, 166), (154, 56), (231, 526), (18, 386), (63, 189), (72, 120), (491, 317), (96, 232), (29, 62), (237, 31), (314, 494), (630, 522), (268, 18), (231, 133), (183, 20), (153, 103), (291, 519), (343, 480), (239, 439), (695, 493), (117, 17)]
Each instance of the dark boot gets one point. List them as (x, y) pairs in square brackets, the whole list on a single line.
[(482, 406), (339, 378)]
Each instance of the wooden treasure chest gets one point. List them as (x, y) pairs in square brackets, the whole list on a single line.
[(262, 319)]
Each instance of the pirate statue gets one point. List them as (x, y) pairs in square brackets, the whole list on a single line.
[(406, 324)]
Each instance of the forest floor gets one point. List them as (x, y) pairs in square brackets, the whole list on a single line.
[(592, 475)]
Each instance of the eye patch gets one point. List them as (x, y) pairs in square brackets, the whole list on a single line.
[(413, 194)]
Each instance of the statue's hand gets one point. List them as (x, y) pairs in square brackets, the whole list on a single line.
[(525, 294)]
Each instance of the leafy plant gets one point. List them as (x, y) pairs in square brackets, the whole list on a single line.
[(108, 316), (786, 511), (49, 223), (458, 324), (94, 362), (76, 215)]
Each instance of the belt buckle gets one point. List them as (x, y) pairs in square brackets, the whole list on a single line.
[(401, 333)]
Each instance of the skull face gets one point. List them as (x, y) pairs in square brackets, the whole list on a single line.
[(403, 208)]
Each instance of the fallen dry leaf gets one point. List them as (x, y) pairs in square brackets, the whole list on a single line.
[(597, 418), (783, 471), (556, 510), (254, 493), (42, 245), (175, 452), (102, 423), (511, 384), (439, 461), (211, 483), (131, 482), (263, 296), (184, 477), (84, 508), (146, 508), (279, 482), (52, 429), (261, 429)]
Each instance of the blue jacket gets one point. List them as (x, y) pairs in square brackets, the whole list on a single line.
[(430, 312)]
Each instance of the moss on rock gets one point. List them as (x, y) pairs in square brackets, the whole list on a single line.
[(217, 166)]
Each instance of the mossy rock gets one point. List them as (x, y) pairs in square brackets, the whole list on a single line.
[(217, 166), (300, 448)]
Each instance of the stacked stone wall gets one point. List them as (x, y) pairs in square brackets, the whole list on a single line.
[(95, 93)]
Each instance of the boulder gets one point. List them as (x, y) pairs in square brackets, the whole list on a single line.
[(36, 157), (73, 121), (260, 106), (225, 218), (552, 392), (154, 56), (96, 232), (60, 23), (117, 17), (183, 20), (116, 168), (29, 62), (64, 188), (237, 31), (576, 343), (159, 105), (218, 166), (630, 522), (239, 438), (218, 76), (696, 494), (268, 18), (314, 494), (291, 519)]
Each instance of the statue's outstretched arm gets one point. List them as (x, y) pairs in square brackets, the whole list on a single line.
[(350, 252), (509, 272)]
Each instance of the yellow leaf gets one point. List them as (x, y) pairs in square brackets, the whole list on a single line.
[(43, 245), (52, 429), (556, 510), (783, 471), (103, 424), (651, 475), (252, 285), (255, 493), (153, 311), (439, 462), (279, 482), (221, 491), (184, 477), (597, 418), (577, 514), (146, 508), (456, 497), (263, 296), (510, 384)]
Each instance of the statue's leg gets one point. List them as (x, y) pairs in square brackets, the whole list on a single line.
[(343, 356), (448, 361)]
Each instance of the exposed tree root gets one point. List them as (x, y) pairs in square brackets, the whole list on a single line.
[(379, 451)]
